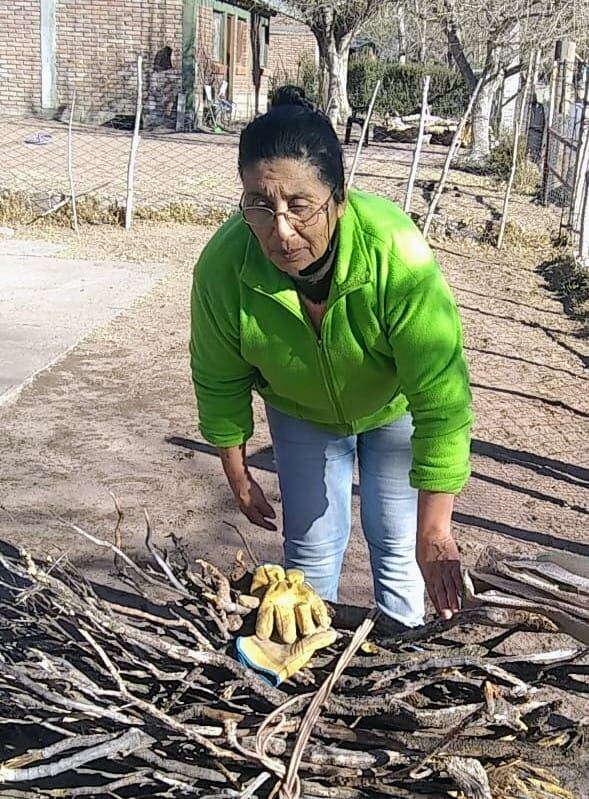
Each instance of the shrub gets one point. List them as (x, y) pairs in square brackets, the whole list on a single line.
[(309, 78), (527, 175), (402, 86)]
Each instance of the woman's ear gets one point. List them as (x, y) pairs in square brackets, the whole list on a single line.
[(341, 207)]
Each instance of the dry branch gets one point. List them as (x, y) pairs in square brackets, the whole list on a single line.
[(102, 696)]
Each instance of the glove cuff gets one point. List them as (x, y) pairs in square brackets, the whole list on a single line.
[(265, 674)]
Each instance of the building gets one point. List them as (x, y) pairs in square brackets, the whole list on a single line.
[(51, 48)]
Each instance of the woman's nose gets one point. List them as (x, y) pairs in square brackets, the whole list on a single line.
[(282, 227)]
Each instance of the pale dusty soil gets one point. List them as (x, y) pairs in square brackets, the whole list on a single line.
[(117, 414)]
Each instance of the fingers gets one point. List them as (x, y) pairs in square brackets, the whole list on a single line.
[(265, 621), (320, 639), (266, 574), (304, 617), (259, 520), (319, 611), (286, 627), (445, 589), (295, 576)]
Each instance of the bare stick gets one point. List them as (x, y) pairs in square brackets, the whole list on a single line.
[(417, 153), (134, 146), (451, 153), (363, 134), (254, 559), (117, 533), (70, 165), (584, 236), (160, 561), (548, 138), (124, 745), (514, 158), (100, 542), (65, 201)]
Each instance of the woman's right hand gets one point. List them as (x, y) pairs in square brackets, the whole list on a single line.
[(250, 497), (253, 504)]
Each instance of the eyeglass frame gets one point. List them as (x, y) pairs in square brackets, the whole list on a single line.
[(299, 225)]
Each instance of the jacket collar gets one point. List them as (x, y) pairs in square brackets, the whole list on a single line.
[(352, 268)]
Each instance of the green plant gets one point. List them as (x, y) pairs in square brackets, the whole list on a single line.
[(527, 175), (402, 86), (309, 78), (570, 281)]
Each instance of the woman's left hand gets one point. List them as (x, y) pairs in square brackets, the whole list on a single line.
[(439, 561)]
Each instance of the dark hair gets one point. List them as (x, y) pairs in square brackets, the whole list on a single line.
[(294, 128)]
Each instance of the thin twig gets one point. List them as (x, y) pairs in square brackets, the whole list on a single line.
[(160, 561), (117, 531), (451, 153), (363, 134), (123, 745), (252, 555), (100, 542)]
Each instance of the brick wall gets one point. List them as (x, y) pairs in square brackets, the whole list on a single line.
[(290, 42), (97, 46), (97, 43), (20, 56)]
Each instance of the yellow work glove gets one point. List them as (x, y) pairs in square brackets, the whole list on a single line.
[(287, 604), (275, 662)]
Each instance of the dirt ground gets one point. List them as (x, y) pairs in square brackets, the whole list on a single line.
[(117, 413)]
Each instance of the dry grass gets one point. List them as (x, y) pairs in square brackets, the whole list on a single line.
[(570, 281)]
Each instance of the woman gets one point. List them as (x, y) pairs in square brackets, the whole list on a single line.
[(330, 304)]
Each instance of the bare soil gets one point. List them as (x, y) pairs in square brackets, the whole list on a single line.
[(117, 414)]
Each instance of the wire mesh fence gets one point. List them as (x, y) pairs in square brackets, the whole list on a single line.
[(192, 176), (566, 167), (179, 173)]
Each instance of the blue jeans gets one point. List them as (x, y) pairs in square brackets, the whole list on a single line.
[(315, 471)]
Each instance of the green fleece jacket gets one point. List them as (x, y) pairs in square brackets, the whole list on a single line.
[(391, 340)]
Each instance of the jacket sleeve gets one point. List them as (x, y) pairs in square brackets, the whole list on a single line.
[(425, 334), (222, 378)]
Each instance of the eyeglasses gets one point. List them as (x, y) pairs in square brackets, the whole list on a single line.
[(259, 216)]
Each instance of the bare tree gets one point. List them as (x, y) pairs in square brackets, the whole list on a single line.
[(476, 36), (491, 36), (335, 23)]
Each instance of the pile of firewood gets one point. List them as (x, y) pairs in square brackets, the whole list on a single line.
[(137, 692)]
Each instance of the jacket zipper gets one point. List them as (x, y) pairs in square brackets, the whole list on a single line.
[(323, 358), (328, 377)]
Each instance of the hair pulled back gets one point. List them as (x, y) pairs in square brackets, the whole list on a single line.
[(294, 128)]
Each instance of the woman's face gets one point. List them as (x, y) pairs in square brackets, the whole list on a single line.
[(290, 186)]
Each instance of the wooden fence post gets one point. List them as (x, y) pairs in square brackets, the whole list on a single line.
[(451, 153), (134, 146), (417, 153), (515, 156), (70, 164), (363, 134), (584, 226)]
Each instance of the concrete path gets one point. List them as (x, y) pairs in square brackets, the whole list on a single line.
[(47, 304)]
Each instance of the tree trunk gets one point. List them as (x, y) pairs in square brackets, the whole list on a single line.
[(336, 63), (481, 120)]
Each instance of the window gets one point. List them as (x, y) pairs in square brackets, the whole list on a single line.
[(219, 37)]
